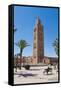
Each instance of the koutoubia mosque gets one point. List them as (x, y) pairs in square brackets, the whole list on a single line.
[(38, 42), (38, 46)]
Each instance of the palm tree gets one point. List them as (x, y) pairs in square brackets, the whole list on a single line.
[(21, 44), (55, 45)]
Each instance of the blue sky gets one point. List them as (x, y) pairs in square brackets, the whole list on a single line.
[(24, 21)]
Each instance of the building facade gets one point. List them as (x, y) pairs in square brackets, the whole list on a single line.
[(38, 42)]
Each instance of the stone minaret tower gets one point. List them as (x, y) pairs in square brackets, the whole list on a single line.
[(38, 44)]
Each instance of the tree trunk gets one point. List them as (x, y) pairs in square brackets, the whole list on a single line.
[(16, 65), (20, 57)]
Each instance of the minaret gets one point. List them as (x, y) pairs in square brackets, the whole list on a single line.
[(38, 44)]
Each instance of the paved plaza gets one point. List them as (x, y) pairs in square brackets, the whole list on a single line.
[(35, 75)]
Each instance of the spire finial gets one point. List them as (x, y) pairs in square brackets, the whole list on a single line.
[(38, 20)]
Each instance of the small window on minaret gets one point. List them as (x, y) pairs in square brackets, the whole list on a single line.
[(34, 29), (34, 45), (34, 37), (34, 56)]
